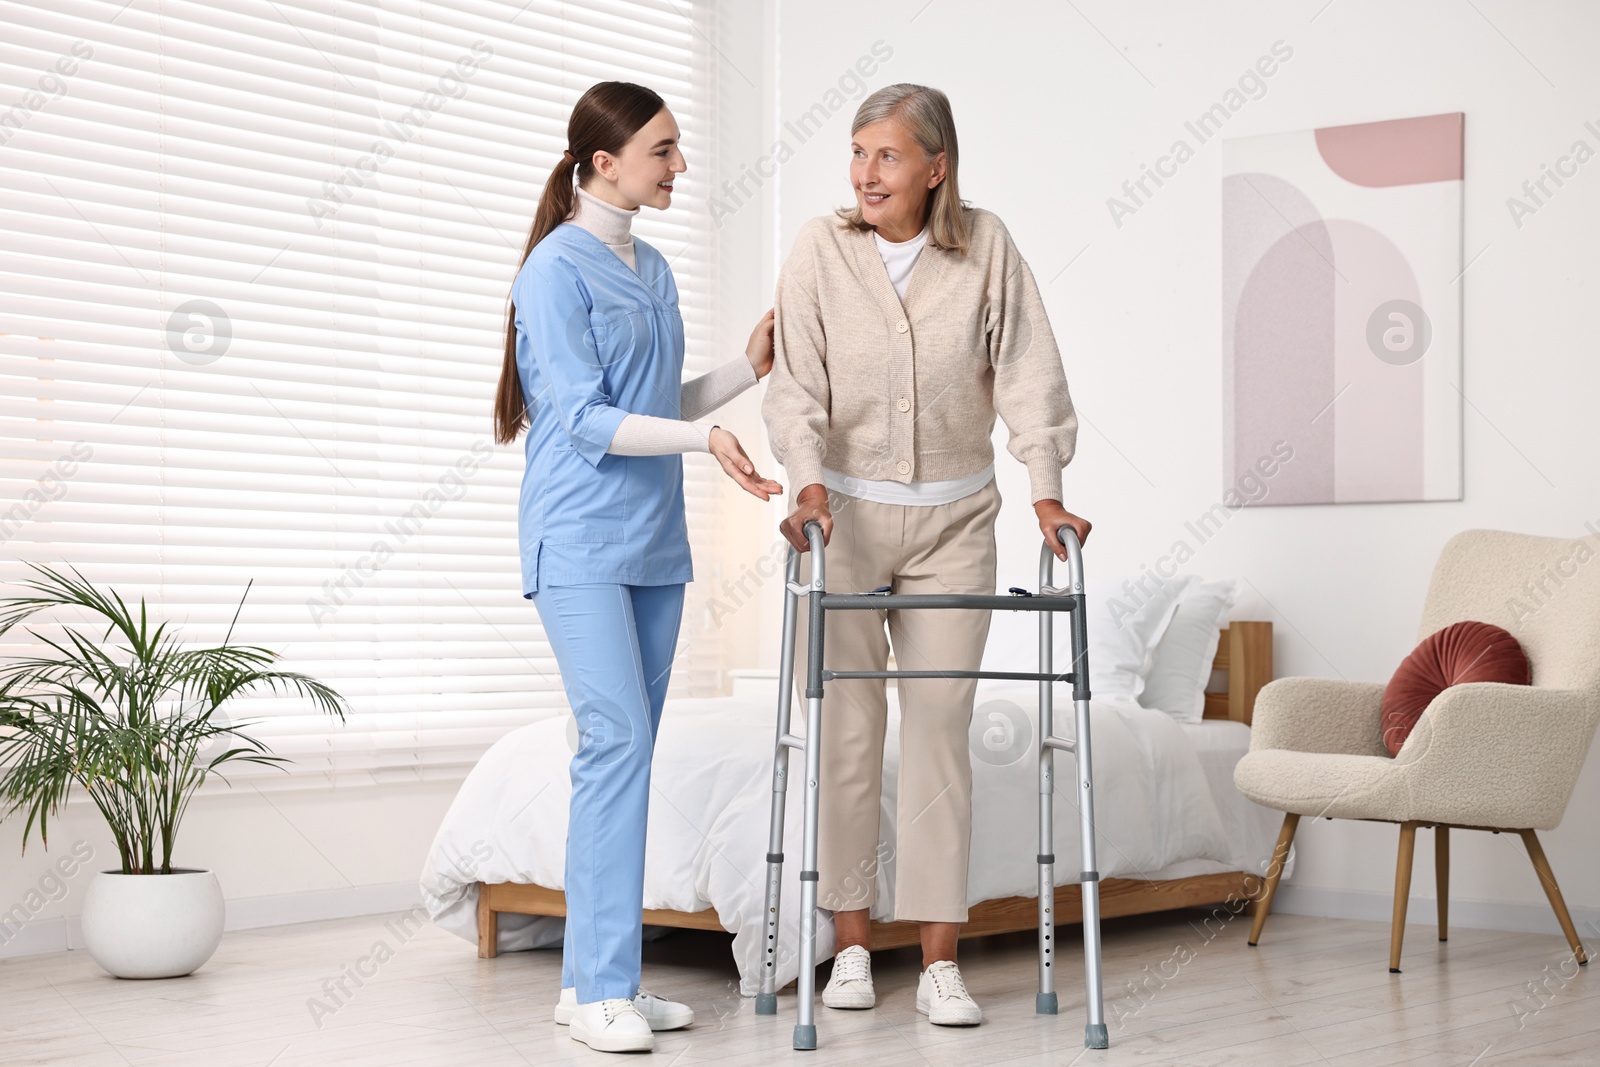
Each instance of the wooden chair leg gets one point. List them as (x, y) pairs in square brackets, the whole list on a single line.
[(1280, 856), (1402, 893), (1441, 877), (488, 926), (1547, 878)]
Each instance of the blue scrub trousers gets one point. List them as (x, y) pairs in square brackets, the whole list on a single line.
[(614, 645)]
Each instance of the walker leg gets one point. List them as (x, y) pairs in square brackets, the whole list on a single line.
[(1045, 1001), (1095, 1035), (805, 1028), (767, 998)]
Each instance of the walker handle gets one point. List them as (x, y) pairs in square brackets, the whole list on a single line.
[(1069, 540), (813, 532)]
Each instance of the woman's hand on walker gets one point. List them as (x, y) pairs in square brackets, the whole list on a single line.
[(737, 465), (1052, 516), (759, 350), (811, 505)]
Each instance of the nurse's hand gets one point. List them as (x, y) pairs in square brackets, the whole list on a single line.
[(811, 505), (737, 465), (759, 350)]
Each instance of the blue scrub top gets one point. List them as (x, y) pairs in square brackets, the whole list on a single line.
[(595, 342)]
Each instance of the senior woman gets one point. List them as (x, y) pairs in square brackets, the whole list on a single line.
[(904, 326)]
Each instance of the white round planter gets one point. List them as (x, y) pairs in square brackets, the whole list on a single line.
[(152, 925)]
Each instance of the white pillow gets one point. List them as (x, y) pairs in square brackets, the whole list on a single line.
[(1177, 681), (1126, 618)]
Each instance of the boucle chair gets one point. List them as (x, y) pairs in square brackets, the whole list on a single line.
[(1484, 756)]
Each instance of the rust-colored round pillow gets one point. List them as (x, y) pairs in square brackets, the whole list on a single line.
[(1461, 652)]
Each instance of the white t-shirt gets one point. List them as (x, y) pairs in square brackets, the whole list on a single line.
[(899, 259)]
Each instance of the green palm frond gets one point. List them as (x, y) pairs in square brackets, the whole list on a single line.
[(131, 718)]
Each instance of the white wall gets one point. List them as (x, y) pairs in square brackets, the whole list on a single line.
[(1056, 109), (284, 851)]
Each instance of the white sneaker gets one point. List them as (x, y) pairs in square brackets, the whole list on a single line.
[(659, 1013), (612, 1026), (851, 984), (942, 996)]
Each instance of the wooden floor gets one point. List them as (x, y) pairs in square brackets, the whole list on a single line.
[(1317, 991)]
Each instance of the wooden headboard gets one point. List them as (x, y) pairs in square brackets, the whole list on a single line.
[(1245, 651)]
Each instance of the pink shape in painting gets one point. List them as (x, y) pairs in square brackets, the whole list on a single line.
[(1397, 152)]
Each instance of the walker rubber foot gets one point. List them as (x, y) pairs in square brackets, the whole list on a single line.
[(805, 1038), (766, 1003), (1095, 1036), (1044, 1004), (1394, 970)]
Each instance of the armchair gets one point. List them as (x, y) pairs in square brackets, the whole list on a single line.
[(1483, 756)]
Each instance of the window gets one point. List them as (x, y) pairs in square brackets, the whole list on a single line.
[(255, 270)]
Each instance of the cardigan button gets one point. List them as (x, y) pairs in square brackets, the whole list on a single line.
[(903, 404), (901, 326), (903, 467)]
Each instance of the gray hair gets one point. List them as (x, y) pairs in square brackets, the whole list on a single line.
[(926, 115)]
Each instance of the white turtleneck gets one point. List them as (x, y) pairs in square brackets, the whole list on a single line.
[(612, 224), (647, 435)]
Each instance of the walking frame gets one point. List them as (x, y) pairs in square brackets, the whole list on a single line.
[(1048, 601)]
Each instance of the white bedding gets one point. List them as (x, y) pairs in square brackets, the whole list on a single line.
[(1164, 795)]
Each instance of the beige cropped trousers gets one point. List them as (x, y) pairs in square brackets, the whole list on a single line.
[(940, 548)]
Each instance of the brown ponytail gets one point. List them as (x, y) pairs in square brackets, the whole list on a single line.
[(603, 120)]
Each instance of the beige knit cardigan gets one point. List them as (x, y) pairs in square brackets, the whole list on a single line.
[(874, 389)]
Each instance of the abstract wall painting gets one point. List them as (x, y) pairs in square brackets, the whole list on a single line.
[(1341, 308)]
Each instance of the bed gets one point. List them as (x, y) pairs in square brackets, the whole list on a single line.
[(1174, 831)]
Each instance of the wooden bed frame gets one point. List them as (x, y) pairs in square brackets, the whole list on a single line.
[(1244, 651)]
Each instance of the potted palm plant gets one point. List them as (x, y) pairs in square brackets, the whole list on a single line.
[(136, 719)]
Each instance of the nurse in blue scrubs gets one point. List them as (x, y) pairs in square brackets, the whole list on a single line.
[(593, 374)]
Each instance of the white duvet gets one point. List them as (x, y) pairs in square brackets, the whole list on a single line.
[(709, 812)]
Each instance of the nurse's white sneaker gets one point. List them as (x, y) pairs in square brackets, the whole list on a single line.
[(660, 1013), (851, 984), (942, 996), (612, 1026)]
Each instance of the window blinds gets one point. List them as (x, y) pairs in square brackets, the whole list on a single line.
[(255, 268)]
